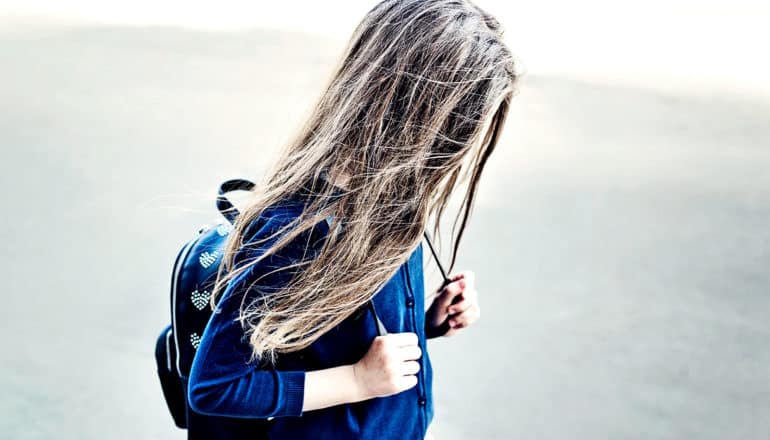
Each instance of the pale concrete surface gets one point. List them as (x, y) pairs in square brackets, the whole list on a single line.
[(621, 239)]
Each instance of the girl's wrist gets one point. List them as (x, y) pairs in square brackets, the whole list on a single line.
[(332, 386), (361, 390)]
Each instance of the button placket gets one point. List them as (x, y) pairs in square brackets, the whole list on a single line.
[(421, 401)]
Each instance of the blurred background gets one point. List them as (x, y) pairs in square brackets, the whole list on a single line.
[(621, 239)]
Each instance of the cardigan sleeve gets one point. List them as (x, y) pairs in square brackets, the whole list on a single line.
[(222, 382), (435, 332)]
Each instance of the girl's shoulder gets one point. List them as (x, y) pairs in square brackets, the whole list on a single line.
[(266, 273), (270, 226)]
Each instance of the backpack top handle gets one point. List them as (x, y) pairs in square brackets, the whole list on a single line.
[(224, 205)]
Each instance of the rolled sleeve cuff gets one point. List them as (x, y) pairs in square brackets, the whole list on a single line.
[(293, 392), (435, 332)]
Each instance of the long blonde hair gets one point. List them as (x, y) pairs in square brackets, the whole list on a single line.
[(420, 94)]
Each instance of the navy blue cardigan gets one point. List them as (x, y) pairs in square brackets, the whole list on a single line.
[(233, 397)]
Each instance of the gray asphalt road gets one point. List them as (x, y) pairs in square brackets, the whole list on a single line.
[(620, 241)]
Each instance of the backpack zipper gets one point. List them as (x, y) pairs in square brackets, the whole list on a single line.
[(177, 271)]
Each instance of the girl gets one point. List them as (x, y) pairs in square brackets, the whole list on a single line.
[(326, 255)]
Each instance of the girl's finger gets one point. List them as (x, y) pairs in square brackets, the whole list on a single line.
[(410, 352), (460, 307), (454, 288), (410, 367), (465, 319), (402, 339), (468, 275), (458, 322), (448, 293)]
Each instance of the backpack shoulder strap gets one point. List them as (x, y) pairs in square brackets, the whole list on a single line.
[(381, 330)]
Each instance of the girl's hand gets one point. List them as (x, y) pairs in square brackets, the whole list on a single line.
[(390, 365), (464, 312)]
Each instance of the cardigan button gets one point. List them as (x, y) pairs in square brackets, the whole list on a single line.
[(410, 302), (422, 401)]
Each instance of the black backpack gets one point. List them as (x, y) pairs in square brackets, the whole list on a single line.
[(192, 280)]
